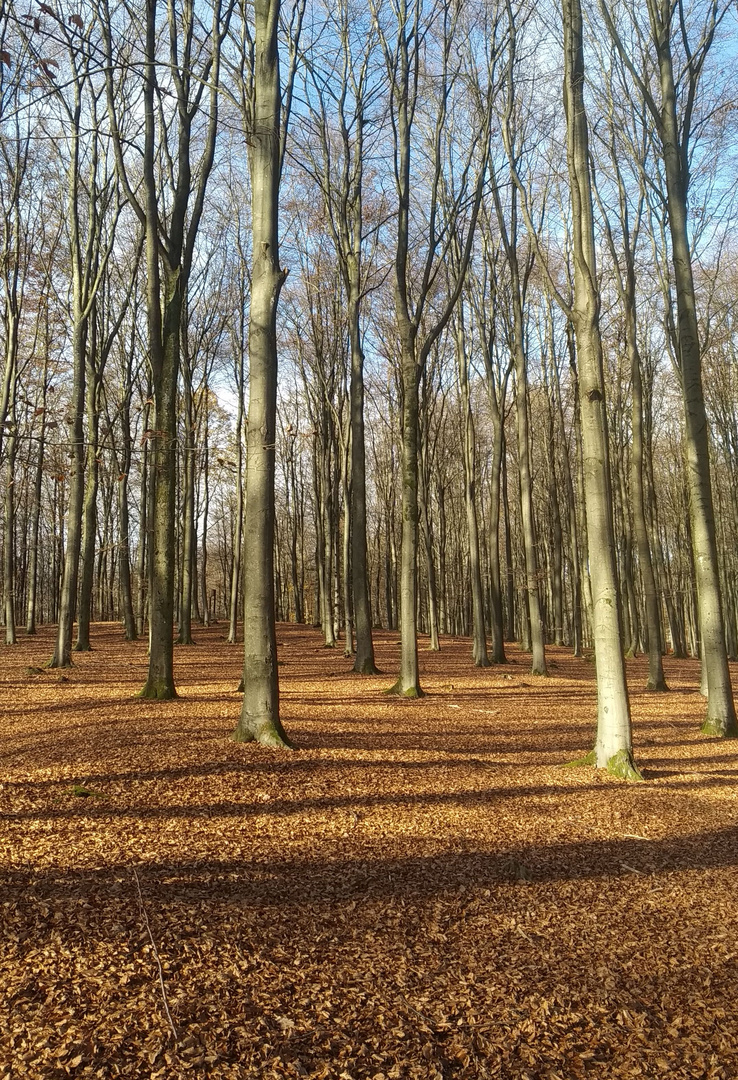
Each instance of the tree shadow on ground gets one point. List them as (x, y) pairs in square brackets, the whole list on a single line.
[(299, 880)]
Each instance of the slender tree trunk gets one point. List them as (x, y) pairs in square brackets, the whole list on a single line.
[(348, 620), (62, 656), (656, 679), (364, 661), (538, 660), (238, 537), (32, 603), (408, 683), (509, 565), (89, 515), (613, 747), (259, 718), (721, 716), (9, 568), (160, 681), (188, 513), (205, 512), (479, 639), (144, 517)]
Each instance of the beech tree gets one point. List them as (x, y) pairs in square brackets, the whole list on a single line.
[(448, 200), (265, 123), (613, 746), (176, 163), (671, 99)]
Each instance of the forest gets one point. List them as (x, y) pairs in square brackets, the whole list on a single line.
[(504, 405), (381, 356)]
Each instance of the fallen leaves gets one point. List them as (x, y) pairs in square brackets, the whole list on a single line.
[(419, 892)]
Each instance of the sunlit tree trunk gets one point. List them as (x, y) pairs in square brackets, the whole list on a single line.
[(259, 718), (613, 746)]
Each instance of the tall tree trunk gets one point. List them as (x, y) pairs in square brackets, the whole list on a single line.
[(408, 682), (613, 747), (656, 679), (509, 564), (189, 539), (62, 657), (260, 710), (721, 716), (159, 684), (238, 533), (364, 661), (479, 638), (32, 603), (9, 568), (89, 513)]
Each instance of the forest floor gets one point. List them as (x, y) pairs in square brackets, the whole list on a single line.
[(421, 890)]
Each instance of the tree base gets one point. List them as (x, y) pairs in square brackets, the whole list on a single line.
[(719, 728), (63, 663), (580, 763), (265, 732), (365, 667), (620, 765), (657, 685), (83, 646), (158, 690), (623, 767), (482, 661), (410, 692)]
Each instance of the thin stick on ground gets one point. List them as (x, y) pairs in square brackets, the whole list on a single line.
[(145, 917)]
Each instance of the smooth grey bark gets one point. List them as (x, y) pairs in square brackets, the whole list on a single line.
[(11, 450), (124, 467), (204, 511), (721, 715), (239, 344), (625, 280), (575, 567), (62, 656), (144, 541), (479, 637), (89, 502), (509, 562), (674, 132), (484, 303), (259, 719), (189, 538), (613, 746), (519, 276), (32, 600), (557, 536)]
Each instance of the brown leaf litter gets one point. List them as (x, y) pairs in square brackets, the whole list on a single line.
[(420, 891)]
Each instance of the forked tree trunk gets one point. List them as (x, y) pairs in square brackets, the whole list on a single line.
[(613, 746), (259, 718)]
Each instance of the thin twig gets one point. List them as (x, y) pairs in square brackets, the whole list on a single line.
[(145, 917)]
